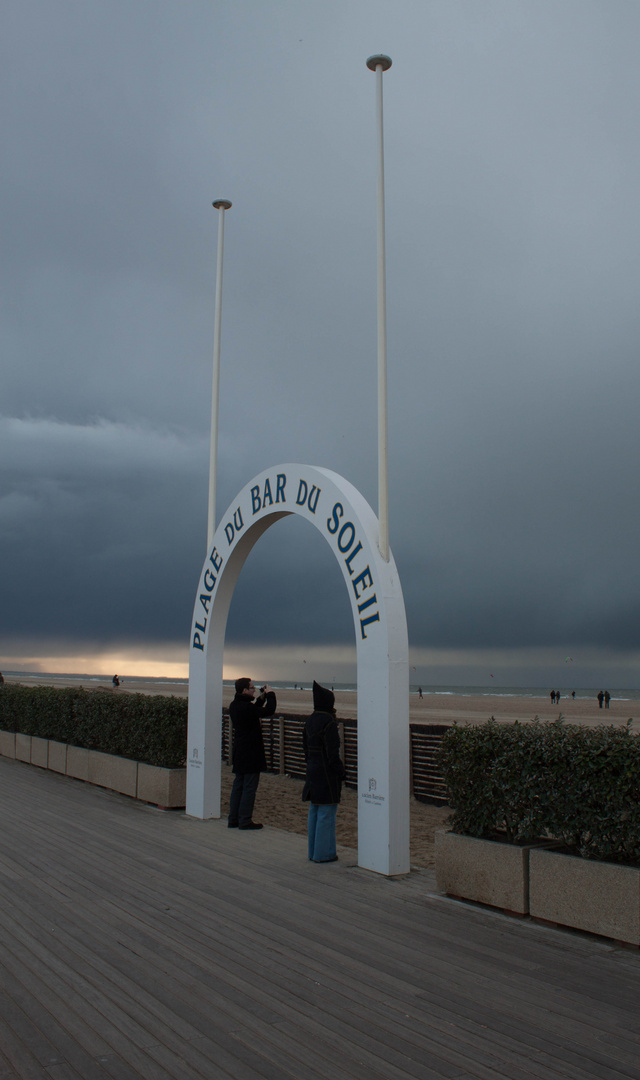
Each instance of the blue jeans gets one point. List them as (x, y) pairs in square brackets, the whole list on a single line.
[(321, 829), (243, 796)]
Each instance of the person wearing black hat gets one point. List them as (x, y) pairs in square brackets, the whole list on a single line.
[(325, 773), (248, 757)]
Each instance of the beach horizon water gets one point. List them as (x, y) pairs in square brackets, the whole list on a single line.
[(438, 704), (46, 678)]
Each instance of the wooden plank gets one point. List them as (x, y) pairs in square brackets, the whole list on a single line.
[(18, 1057), (157, 946), (61, 1072), (118, 1006), (171, 999)]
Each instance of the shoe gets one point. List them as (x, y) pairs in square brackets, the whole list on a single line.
[(251, 825), (232, 824), (334, 858)]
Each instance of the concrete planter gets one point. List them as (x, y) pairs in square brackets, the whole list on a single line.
[(39, 752), (149, 783), (7, 744), (600, 897), (23, 747), (115, 773), (77, 762), (57, 757), (483, 870), (164, 787)]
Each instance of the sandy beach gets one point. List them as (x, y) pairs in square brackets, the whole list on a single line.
[(279, 803), (431, 709)]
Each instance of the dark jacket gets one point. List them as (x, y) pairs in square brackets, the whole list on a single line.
[(248, 746), (325, 771)]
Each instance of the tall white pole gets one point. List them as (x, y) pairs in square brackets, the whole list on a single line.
[(380, 64), (220, 205)]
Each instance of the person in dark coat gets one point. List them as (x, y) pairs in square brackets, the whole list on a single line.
[(248, 759), (325, 773)]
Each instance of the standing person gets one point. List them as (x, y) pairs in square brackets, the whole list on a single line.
[(420, 692), (607, 699), (600, 699), (248, 758), (325, 773), (573, 694), (116, 681), (557, 696)]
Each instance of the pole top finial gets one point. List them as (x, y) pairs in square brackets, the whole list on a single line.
[(379, 61), (222, 204)]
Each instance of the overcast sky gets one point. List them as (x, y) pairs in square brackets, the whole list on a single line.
[(513, 274)]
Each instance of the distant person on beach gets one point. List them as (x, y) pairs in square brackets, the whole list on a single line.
[(557, 696), (573, 694), (1, 678), (325, 773), (419, 691), (552, 695), (115, 680), (600, 699), (248, 757), (607, 699)]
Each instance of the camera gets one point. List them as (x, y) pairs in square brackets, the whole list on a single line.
[(263, 688)]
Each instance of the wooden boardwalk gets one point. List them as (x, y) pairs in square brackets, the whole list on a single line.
[(141, 944)]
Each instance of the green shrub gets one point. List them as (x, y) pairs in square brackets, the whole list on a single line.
[(138, 726), (595, 805), (36, 710), (554, 780)]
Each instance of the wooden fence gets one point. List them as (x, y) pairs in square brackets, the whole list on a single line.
[(283, 747)]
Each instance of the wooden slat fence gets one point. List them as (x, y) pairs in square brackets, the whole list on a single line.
[(283, 747), (426, 779)]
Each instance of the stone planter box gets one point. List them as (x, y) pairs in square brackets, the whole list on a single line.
[(483, 870), (600, 897), (149, 783), (164, 787), (77, 762), (39, 751), (7, 744), (57, 758), (23, 747), (115, 773)]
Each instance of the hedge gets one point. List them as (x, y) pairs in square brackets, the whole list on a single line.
[(148, 729), (525, 782)]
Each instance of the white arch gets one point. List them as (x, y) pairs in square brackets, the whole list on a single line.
[(350, 527)]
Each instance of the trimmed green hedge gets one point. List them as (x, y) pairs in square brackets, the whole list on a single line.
[(547, 780), (138, 726)]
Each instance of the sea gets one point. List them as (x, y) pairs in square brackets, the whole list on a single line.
[(620, 694)]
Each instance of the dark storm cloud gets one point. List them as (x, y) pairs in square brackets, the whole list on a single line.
[(512, 239), (92, 524)]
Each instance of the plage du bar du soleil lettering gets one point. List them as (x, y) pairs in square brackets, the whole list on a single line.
[(349, 548)]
